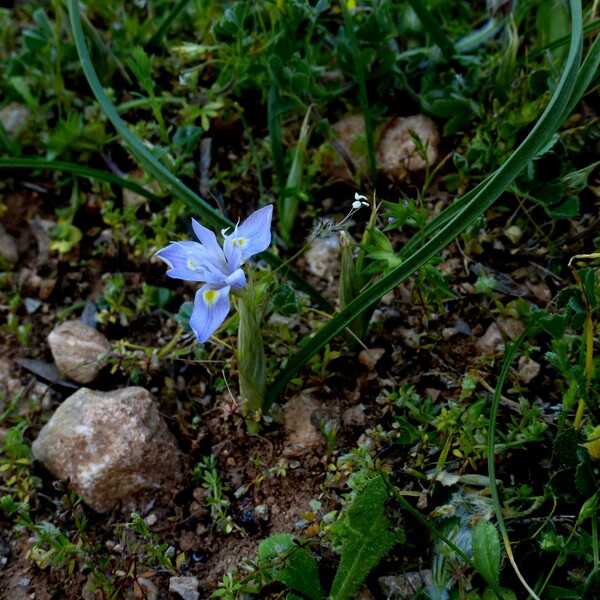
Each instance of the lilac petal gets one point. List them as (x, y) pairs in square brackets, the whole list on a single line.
[(237, 279), (216, 274), (252, 236), (208, 239), (234, 257), (186, 260), (211, 306)]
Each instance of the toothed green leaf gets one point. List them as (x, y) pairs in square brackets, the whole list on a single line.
[(367, 538)]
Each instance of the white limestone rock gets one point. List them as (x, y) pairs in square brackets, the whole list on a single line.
[(113, 446)]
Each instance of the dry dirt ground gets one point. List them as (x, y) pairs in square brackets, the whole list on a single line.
[(431, 352)]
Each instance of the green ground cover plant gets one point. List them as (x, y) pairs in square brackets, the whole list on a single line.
[(207, 134)]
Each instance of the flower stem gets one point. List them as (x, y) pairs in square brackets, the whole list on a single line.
[(252, 364)]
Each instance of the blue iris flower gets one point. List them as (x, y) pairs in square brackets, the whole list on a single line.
[(219, 268)]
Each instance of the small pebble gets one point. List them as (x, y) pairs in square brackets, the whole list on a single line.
[(370, 357), (185, 587), (188, 540), (448, 333), (151, 519), (8, 246), (31, 305), (323, 258), (199, 494), (462, 327), (528, 369), (354, 416), (491, 341), (261, 512), (148, 590)]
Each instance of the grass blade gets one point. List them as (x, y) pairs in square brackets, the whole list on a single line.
[(509, 356), (587, 74), (486, 195), (79, 171), (362, 90), (167, 22), (140, 152), (289, 197), (211, 216)]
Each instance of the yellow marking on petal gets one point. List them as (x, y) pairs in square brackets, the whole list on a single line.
[(210, 297), (191, 265), (240, 242)]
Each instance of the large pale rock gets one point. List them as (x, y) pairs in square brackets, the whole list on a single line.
[(350, 133), (396, 152), (79, 350), (114, 447)]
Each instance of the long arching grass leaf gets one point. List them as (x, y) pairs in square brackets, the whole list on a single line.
[(479, 200), (202, 209)]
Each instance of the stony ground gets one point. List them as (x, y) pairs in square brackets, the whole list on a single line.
[(277, 473)]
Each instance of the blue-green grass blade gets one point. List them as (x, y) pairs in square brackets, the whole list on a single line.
[(211, 216), (557, 43), (288, 203), (586, 76), (586, 80), (509, 356), (78, 171), (488, 192), (140, 152)]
